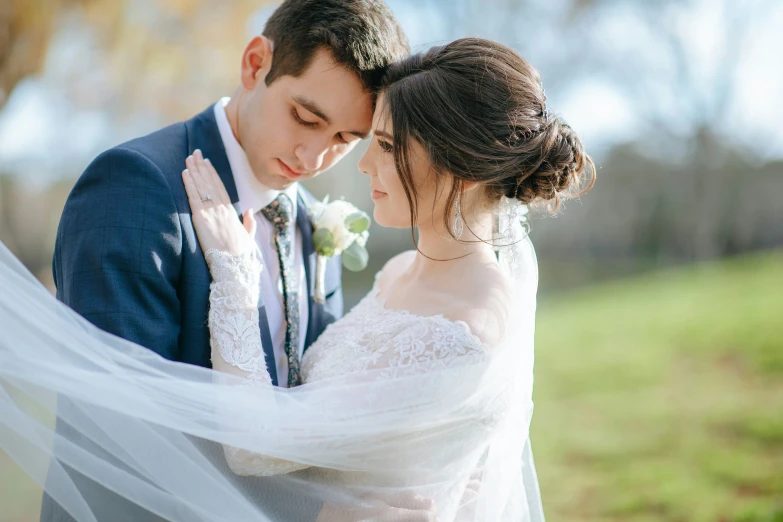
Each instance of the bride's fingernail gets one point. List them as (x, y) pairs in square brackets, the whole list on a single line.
[(206, 160), (197, 152)]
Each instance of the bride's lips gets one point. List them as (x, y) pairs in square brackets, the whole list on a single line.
[(288, 172), (377, 194)]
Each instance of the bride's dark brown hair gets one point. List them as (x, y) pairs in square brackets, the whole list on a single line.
[(479, 111)]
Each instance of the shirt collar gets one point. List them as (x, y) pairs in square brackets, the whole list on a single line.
[(252, 193)]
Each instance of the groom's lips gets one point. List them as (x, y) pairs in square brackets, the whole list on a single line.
[(288, 172)]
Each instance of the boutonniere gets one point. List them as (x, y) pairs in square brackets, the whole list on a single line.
[(339, 229)]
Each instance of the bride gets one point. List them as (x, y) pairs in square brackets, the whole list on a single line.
[(415, 406)]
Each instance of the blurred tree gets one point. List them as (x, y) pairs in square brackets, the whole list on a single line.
[(678, 62), (135, 55), (28, 222), (26, 27), (690, 187), (687, 189), (644, 213)]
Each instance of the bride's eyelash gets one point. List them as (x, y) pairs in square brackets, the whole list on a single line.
[(299, 119), (385, 146)]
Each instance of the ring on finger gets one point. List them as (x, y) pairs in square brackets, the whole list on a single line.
[(205, 198)]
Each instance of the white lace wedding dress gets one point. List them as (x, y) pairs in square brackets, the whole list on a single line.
[(369, 337), (373, 341)]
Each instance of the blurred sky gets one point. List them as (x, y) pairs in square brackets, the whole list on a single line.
[(44, 135)]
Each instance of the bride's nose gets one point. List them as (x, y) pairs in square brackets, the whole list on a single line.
[(364, 164)]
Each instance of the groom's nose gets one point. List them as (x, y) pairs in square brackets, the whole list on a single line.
[(311, 156)]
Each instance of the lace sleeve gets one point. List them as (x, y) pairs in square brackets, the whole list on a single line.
[(235, 341), (235, 337)]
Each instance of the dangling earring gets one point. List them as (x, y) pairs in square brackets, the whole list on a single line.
[(457, 224)]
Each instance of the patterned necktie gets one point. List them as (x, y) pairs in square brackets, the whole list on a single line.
[(280, 213)]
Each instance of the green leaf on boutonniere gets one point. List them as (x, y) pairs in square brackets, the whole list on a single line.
[(355, 257), (357, 222), (323, 240)]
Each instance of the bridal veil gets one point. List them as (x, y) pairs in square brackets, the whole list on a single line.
[(150, 430)]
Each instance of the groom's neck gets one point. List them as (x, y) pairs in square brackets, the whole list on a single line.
[(232, 113)]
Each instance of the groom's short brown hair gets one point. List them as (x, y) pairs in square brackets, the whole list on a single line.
[(361, 35)]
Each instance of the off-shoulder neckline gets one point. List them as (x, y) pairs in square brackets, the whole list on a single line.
[(380, 303)]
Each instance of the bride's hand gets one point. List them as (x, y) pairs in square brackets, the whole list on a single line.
[(214, 218)]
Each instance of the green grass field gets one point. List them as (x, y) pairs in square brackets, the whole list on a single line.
[(661, 398), (658, 398)]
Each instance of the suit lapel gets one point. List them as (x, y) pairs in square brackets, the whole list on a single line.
[(203, 133), (308, 258)]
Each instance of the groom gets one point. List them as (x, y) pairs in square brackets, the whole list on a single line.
[(127, 257)]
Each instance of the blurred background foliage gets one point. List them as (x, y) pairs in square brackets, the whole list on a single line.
[(659, 380)]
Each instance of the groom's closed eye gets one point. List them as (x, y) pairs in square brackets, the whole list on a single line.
[(301, 120), (312, 124)]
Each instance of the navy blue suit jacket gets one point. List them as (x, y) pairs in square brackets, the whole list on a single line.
[(128, 260)]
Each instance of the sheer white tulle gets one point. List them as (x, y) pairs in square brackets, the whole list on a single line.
[(393, 404)]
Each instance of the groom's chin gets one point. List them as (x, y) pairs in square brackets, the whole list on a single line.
[(271, 179)]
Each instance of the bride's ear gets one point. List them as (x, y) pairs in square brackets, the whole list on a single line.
[(256, 61), (468, 192), (467, 186)]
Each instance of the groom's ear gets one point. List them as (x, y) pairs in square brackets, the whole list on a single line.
[(256, 61)]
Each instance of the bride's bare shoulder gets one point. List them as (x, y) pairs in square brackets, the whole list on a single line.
[(482, 303), (477, 295)]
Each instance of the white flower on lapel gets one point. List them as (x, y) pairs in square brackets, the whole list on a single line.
[(340, 229)]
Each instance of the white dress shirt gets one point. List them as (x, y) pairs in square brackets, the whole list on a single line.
[(253, 194)]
